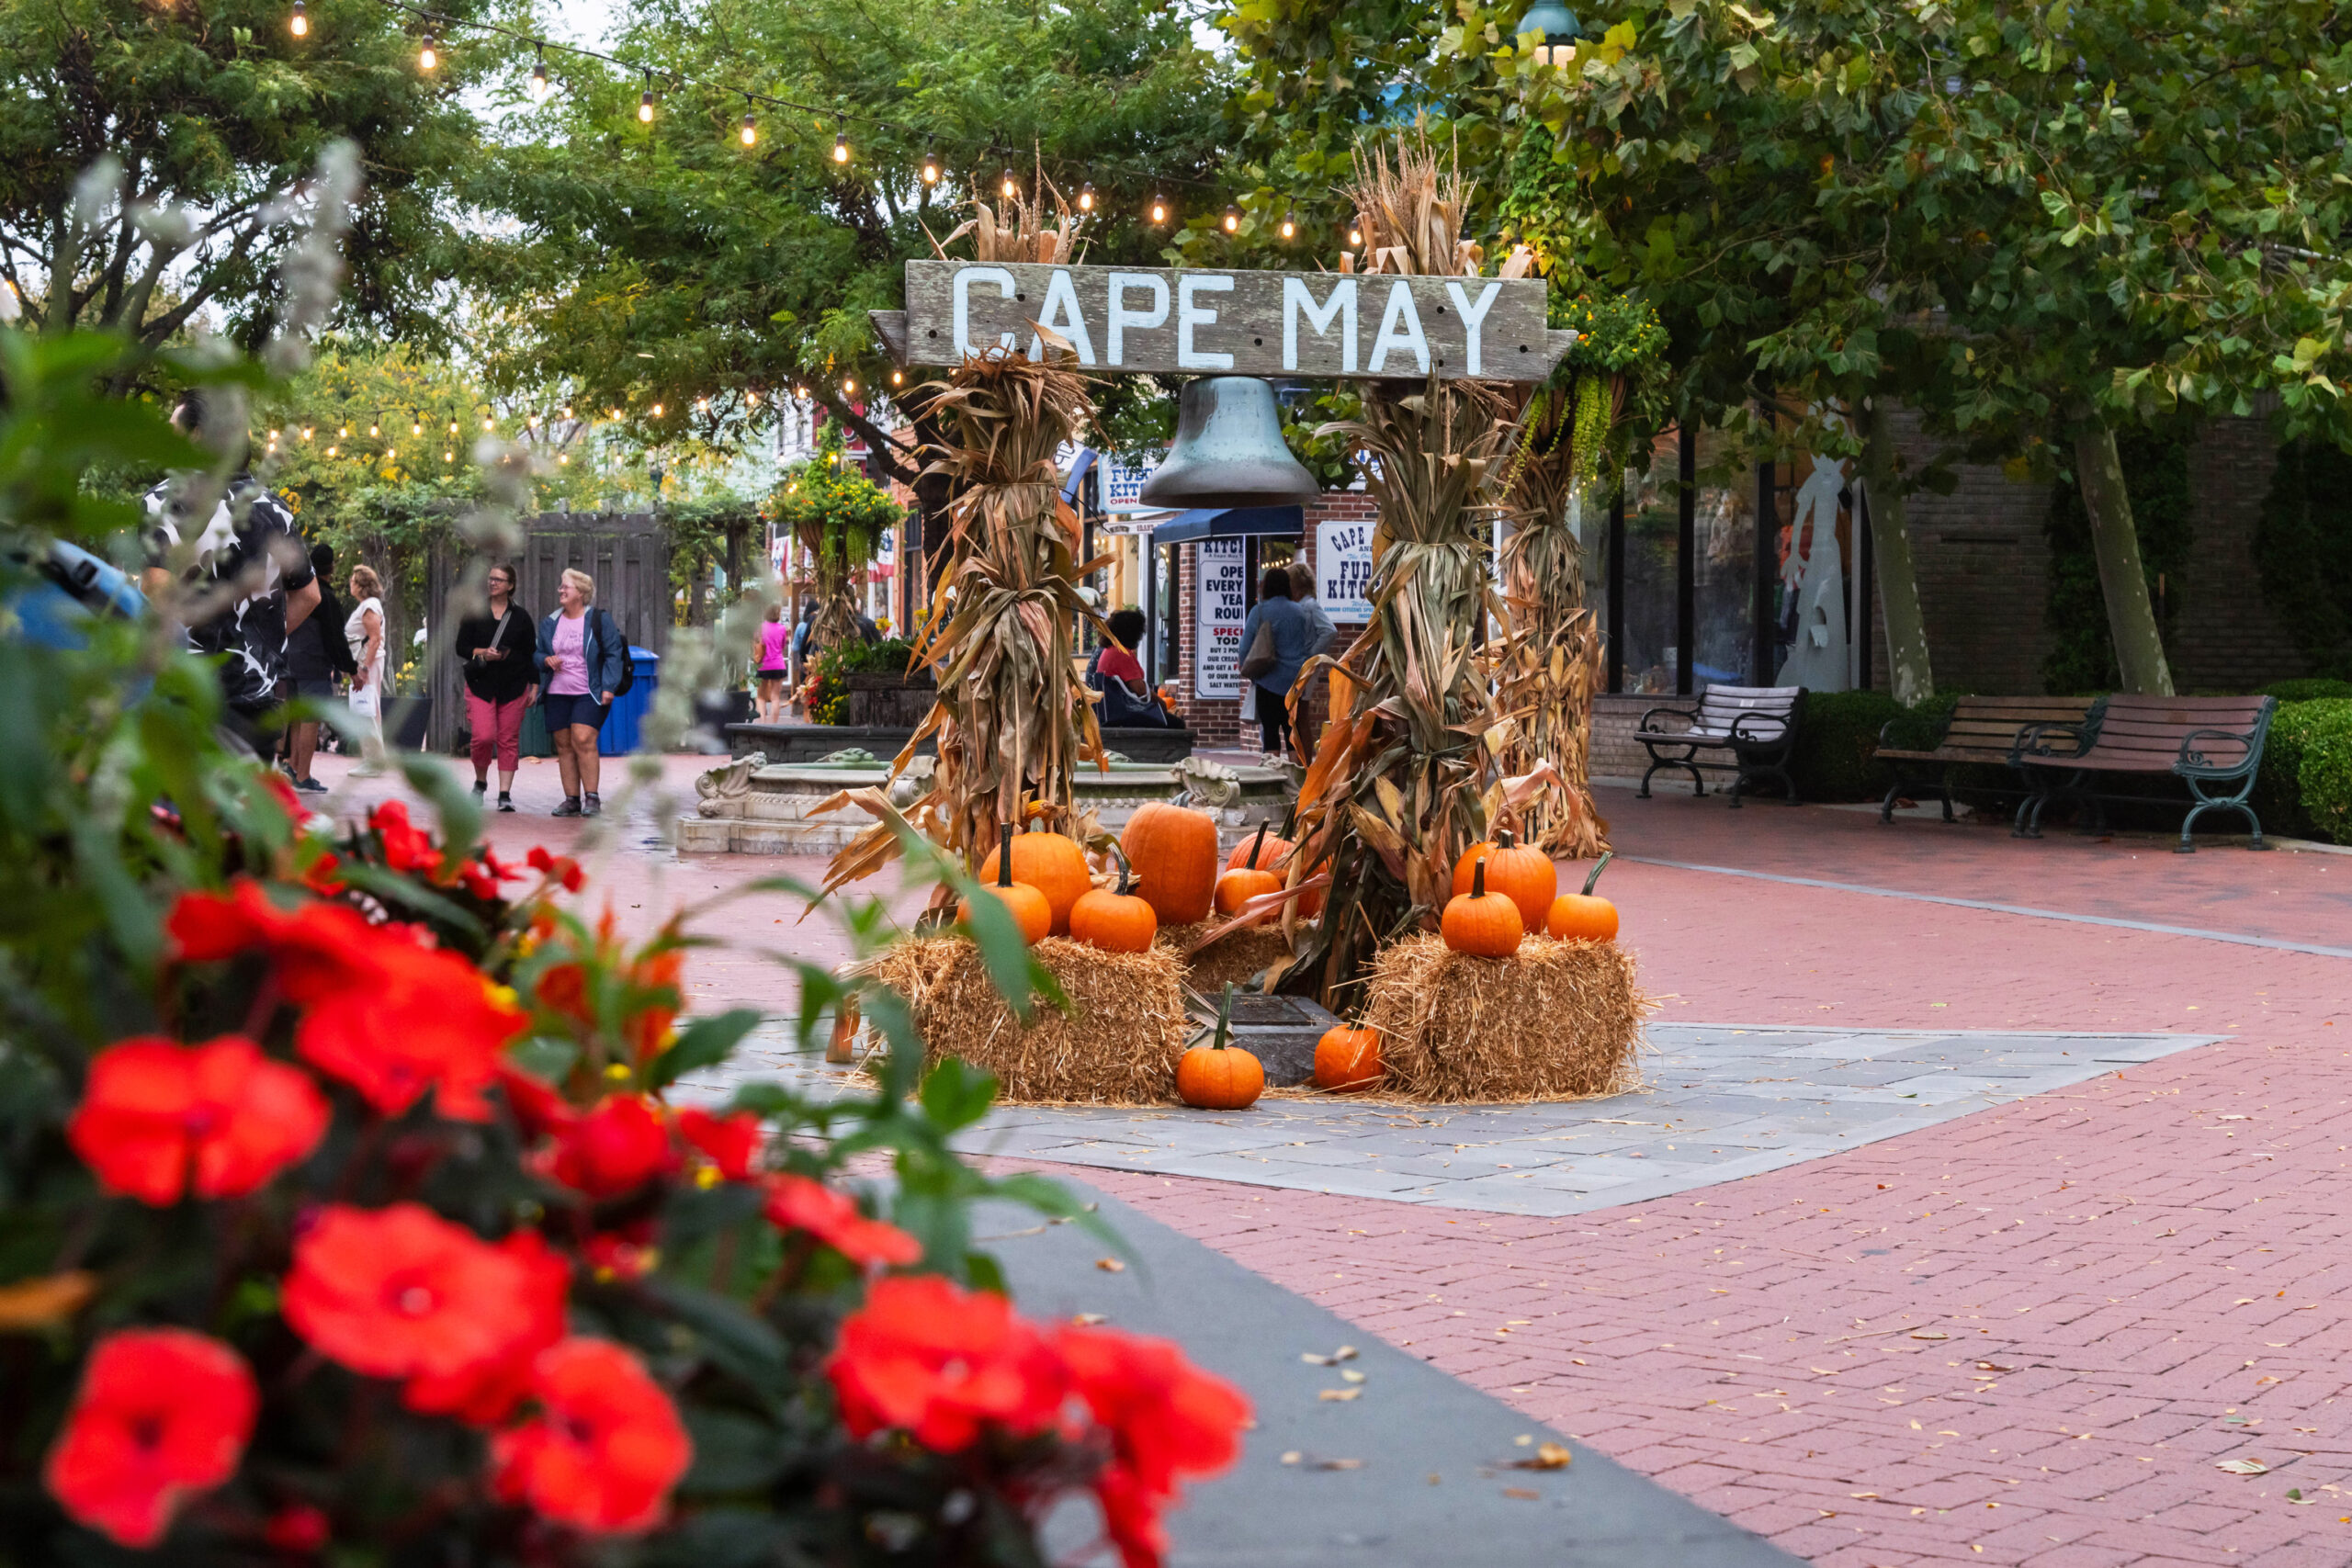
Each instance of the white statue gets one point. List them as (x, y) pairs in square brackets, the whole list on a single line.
[(1814, 577)]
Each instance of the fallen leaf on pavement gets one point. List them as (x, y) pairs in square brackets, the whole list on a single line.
[(1931, 1334), (1338, 1396), (1350, 1374), (1344, 1353), (1088, 1319), (1522, 1493), (1548, 1456), (1110, 1266), (2295, 1496), (2243, 1467)]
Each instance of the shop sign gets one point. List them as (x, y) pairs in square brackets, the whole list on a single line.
[(1221, 573), (1124, 477), (1343, 568)]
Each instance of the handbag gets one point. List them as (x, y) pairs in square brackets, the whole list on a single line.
[(1260, 656)]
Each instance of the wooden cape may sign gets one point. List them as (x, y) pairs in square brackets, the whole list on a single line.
[(1187, 320)]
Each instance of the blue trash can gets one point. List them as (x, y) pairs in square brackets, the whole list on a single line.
[(622, 726)]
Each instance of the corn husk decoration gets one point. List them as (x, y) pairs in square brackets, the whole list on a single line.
[(1012, 723), (1400, 781)]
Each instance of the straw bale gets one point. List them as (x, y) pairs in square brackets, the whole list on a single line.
[(1235, 956), (1556, 1021), (1119, 1048)]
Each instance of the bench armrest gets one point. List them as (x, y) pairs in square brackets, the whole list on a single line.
[(2033, 740), (1691, 714), (1788, 723), (2193, 760)]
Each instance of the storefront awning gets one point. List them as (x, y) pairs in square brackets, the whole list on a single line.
[(1231, 523)]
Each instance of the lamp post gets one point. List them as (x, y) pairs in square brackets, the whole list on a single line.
[(1557, 31)]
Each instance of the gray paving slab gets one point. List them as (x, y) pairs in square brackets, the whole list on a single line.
[(1411, 1473), (1720, 1102)]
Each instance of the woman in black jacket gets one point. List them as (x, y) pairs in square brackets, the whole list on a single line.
[(499, 653)]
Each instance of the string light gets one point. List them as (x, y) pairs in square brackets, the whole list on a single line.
[(306, 433), (1006, 185), (1355, 235), (930, 164), (1290, 224), (372, 429), (752, 398), (841, 141), (448, 456), (330, 451), (428, 57), (390, 453), (298, 24), (645, 101), (343, 431), (897, 377), (453, 427), (848, 388), (1158, 207), (567, 411), (1086, 196), (416, 425), (657, 411), (1232, 219), (750, 131), (485, 422), (540, 87)]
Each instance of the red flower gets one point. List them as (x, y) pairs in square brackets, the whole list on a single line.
[(539, 1109), (797, 1203), (487, 1392), (1167, 1419), (299, 1528), (324, 874), (608, 1446), (1131, 1517), (153, 1108), (563, 987), (731, 1142), (649, 1029), (937, 1361), (617, 1255), (558, 868), (161, 1414), (401, 1293), (406, 846), (615, 1148)]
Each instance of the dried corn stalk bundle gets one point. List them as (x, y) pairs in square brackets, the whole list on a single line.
[(1011, 722), (1396, 787)]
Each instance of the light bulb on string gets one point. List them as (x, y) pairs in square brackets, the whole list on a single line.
[(657, 411), (567, 411), (298, 24), (373, 429), (540, 87), (306, 432), (448, 456), (1232, 219), (841, 141), (645, 101), (1355, 235), (1290, 224), (897, 377), (390, 453), (751, 396), (1158, 207), (428, 56), (330, 451), (344, 432), (453, 427), (751, 128), (1086, 196), (1007, 185), (485, 422), (930, 164), (848, 388)]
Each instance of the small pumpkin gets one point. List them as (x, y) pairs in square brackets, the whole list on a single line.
[(1052, 864), (1580, 917), (1115, 921), (1268, 855), (1348, 1058), (1218, 1075), (1173, 851), (1521, 872), (1484, 924), (1238, 886), (1026, 904)]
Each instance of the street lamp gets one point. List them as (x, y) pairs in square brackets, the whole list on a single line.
[(1555, 28)]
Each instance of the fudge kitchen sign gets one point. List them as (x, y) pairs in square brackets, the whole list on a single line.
[(1183, 319)]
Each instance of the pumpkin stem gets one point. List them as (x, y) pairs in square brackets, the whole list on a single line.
[(1598, 867), (1004, 858), (1478, 878), (1502, 838), (1224, 1018), (1257, 844), (1126, 871)]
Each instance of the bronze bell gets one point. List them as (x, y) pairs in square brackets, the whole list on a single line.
[(1228, 451)]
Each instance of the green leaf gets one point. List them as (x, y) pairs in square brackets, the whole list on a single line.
[(704, 1042), (955, 1095), (544, 1057)]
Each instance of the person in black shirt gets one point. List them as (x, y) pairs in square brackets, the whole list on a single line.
[(499, 651), (314, 659), (252, 579)]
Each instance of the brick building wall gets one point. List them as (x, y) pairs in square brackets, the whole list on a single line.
[(2224, 637)]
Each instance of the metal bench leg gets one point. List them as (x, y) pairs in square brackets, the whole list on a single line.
[(2206, 803), (2029, 820), (1943, 787), (1893, 794)]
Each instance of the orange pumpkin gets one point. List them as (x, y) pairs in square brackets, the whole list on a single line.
[(1263, 853), (1521, 872), (1347, 1058), (1484, 924), (1580, 917), (1217, 1076), (1238, 886), (1026, 904), (1173, 851), (1052, 864), (1115, 922)]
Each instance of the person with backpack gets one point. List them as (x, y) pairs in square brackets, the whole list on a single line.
[(585, 664)]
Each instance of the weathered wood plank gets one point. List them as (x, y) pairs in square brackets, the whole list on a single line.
[(1187, 320)]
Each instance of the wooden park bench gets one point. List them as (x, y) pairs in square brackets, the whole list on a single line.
[(1756, 726), (1981, 730), (2213, 744)]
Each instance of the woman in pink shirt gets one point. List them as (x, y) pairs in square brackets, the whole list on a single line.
[(582, 658), (775, 666)]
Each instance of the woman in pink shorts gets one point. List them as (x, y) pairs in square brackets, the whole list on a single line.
[(775, 666)]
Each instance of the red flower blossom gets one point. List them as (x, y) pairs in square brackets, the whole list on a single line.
[(406, 846), (617, 1147), (161, 1414), (153, 1108), (483, 876), (797, 1203), (558, 868), (1167, 1418), (299, 1528), (563, 989), (401, 1293), (487, 1392), (539, 1109), (649, 1028), (323, 875), (607, 1449), (731, 1142), (620, 1256), (1131, 1517), (923, 1355)]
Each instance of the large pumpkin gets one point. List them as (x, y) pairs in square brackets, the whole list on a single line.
[(1484, 924), (1347, 1058), (1173, 851), (1024, 903), (1242, 881), (1220, 1077), (1115, 922), (1052, 864), (1580, 917), (1268, 855), (1519, 873)]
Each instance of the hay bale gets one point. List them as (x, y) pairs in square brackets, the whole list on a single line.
[(1235, 956), (1556, 1021), (1119, 1048)]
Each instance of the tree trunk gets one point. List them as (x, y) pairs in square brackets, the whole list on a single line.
[(1898, 582), (2130, 616)]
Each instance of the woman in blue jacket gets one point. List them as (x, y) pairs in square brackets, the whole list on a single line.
[(582, 658), (1294, 639)]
